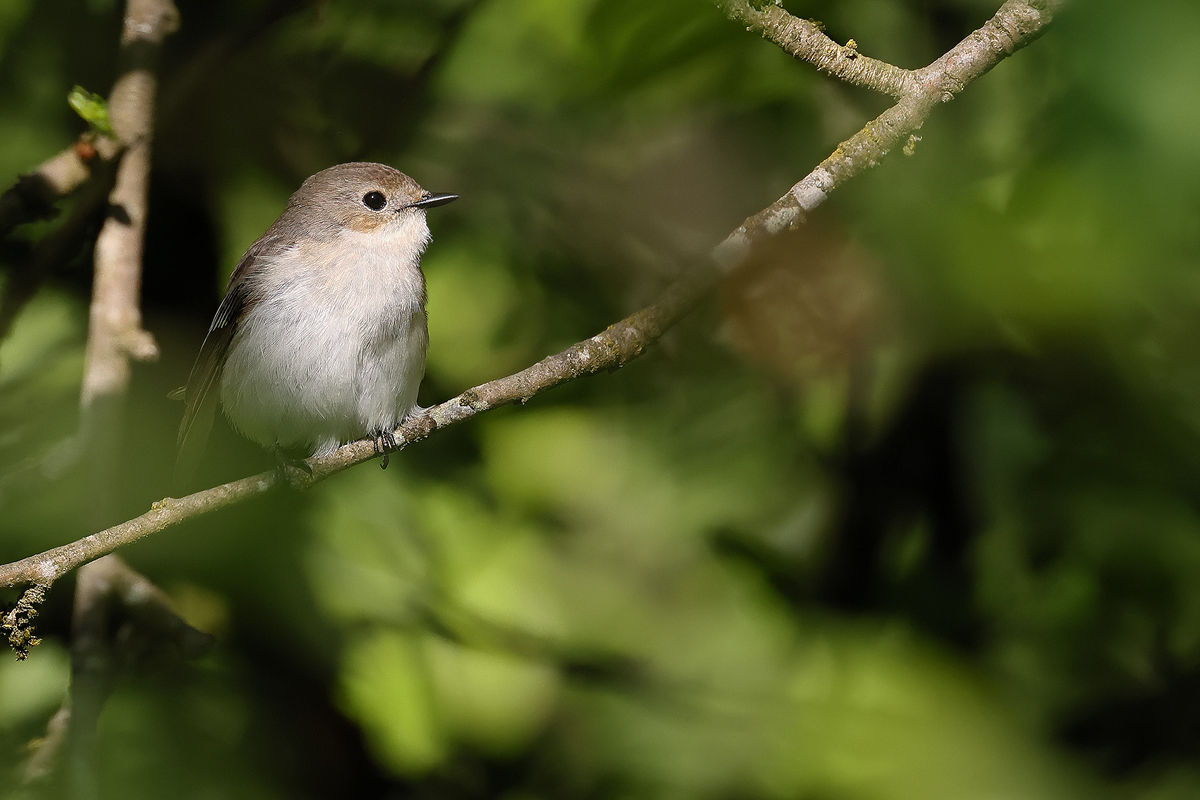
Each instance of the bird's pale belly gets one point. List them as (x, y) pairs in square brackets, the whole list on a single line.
[(309, 382)]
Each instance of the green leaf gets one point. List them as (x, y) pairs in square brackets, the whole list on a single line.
[(93, 108)]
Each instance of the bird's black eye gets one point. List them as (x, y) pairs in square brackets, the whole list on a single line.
[(374, 200)]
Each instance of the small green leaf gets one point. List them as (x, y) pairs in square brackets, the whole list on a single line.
[(93, 108)]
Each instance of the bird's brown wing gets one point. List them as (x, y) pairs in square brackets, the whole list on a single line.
[(200, 395)]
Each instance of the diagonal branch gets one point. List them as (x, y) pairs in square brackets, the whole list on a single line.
[(1016, 24), (611, 349), (806, 40)]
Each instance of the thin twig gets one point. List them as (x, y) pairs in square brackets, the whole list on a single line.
[(608, 350), (806, 40), (1016, 24)]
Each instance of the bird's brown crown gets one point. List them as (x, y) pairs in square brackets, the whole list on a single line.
[(361, 196)]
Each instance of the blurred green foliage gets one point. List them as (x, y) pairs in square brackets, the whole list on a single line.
[(908, 510)]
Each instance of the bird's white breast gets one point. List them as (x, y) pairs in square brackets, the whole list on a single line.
[(334, 347)]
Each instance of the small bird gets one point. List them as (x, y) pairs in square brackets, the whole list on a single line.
[(322, 334)]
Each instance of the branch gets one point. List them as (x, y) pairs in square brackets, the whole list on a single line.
[(609, 350), (806, 40), (1016, 24), (115, 335), (115, 323)]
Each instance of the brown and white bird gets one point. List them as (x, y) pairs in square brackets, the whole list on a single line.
[(322, 334)]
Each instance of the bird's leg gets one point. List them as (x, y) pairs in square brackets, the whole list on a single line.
[(283, 461), (383, 442)]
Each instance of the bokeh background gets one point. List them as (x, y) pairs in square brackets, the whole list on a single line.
[(910, 508)]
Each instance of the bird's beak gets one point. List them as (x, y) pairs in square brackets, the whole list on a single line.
[(433, 201)]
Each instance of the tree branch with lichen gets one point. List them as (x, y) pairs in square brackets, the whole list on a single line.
[(1013, 26), (806, 40), (1016, 24)]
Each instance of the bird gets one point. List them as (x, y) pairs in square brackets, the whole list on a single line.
[(322, 334)]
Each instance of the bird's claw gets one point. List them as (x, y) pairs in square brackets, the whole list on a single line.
[(383, 442)]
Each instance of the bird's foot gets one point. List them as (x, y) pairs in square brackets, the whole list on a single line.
[(283, 475), (383, 442)]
